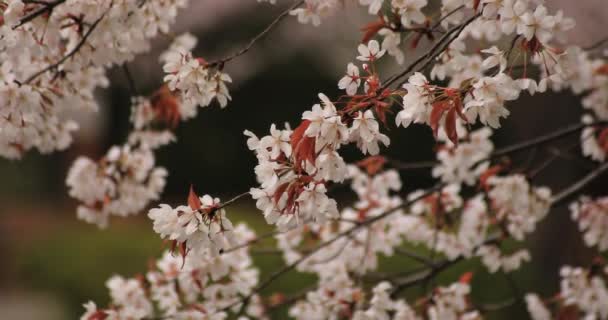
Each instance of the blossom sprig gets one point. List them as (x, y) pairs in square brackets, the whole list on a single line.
[(121, 183), (202, 226), (63, 66), (125, 180), (583, 294), (197, 288), (433, 105), (592, 218), (196, 81)]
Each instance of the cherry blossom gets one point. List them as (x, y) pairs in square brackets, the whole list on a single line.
[(476, 59), (370, 52), (592, 218), (351, 81)]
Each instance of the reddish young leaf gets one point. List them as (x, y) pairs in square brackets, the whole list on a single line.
[(439, 108), (602, 139), (372, 164), (370, 29), (476, 4), (303, 147), (166, 105), (280, 190), (298, 133), (183, 251), (490, 172), (568, 313), (603, 69), (450, 126), (466, 277), (98, 315), (194, 202), (416, 40)]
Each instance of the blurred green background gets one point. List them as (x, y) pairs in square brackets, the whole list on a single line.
[(52, 263)]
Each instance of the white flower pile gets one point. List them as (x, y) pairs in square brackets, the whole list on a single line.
[(199, 287), (583, 295), (485, 54), (592, 218), (122, 183), (37, 104), (201, 228), (197, 82), (125, 181), (518, 204), (465, 162)]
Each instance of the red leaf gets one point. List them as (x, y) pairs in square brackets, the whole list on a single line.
[(280, 190), (166, 106), (416, 40), (298, 133), (466, 278), (303, 147), (476, 4), (568, 313), (490, 172), (183, 250), (98, 315), (194, 202), (372, 164), (370, 29), (603, 69), (450, 126), (603, 140), (438, 109)]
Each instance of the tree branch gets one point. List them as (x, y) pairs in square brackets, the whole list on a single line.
[(45, 8), (259, 36), (580, 184), (73, 51)]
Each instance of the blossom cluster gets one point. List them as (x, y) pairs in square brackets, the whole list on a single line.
[(200, 287), (125, 181), (121, 183), (583, 295), (197, 82), (201, 227), (461, 89), (449, 302), (50, 66), (592, 218)]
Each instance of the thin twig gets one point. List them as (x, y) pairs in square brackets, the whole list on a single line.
[(73, 51), (277, 274), (429, 53), (414, 256), (580, 184), (130, 80), (596, 45), (513, 148), (45, 8), (233, 200), (445, 44), (259, 36)]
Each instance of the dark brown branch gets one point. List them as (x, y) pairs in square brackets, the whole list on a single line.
[(130, 80), (306, 255), (580, 184), (259, 36), (596, 45), (429, 53), (520, 146), (233, 200), (45, 8), (80, 44), (414, 256), (445, 44)]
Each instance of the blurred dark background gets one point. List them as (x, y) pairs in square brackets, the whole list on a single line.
[(52, 263)]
